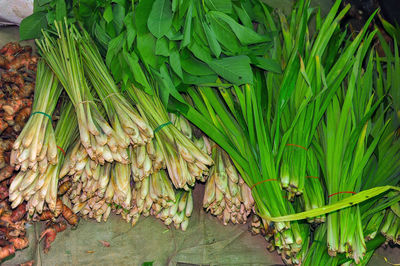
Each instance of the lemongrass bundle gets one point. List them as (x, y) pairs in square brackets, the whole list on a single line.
[(121, 180), (179, 152), (35, 148), (153, 193), (62, 55), (391, 228), (182, 124), (38, 189), (145, 160), (226, 195), (96, 192), (125, 119), (177, 213)]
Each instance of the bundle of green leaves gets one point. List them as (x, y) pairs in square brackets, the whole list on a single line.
[(177, 43)]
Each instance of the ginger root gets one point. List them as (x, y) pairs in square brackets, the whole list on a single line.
[(20, 243), (6, 251), (50, 234)]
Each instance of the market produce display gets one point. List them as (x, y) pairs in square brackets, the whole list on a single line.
[(293, 125), (17, 83)]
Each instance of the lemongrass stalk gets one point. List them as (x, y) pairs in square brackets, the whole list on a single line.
[(62, 55), (36, 143), (122, 115)]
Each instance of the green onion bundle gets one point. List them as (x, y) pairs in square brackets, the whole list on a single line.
[(35, 148)]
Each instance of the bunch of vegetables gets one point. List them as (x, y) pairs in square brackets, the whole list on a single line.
[(307, 119), (130, 180), (226, 195)]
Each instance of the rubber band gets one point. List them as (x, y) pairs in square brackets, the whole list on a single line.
[(161, 126), (295, 145), (43, 113), (111, 94), (309, 176), (342, 192), (61, 149), (260, 182)]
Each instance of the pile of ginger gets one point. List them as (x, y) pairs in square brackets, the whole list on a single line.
[(17, 83)]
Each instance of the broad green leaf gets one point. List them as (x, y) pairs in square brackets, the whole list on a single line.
[(118, 20), (114, 46), (146, 45), (225, 36), (183, 7), (198, 80), (175, 63), (115, 67), (243, 16), (160, 18), (61, 10), (194, 66), (108, 14), (51, 16), (130, 29), (212, 40), (266, 64), (177, 22), (245, 35), (142, 13), (167, 87), (120, 2), (136, 69), (101, 35), (200, 51), (235, 69), (220, 5), (43, 2), (31, 26), (175, 4), (198, 32), (174, 35), (188, 26), (162, 47)]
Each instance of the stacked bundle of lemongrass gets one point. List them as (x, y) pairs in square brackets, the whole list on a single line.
[(35, 148), (38, 184), (183, 159), (101, 141), (226, 195), (125, 119), (40, 188), (178, 212), (202, 142), (391, 227)]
